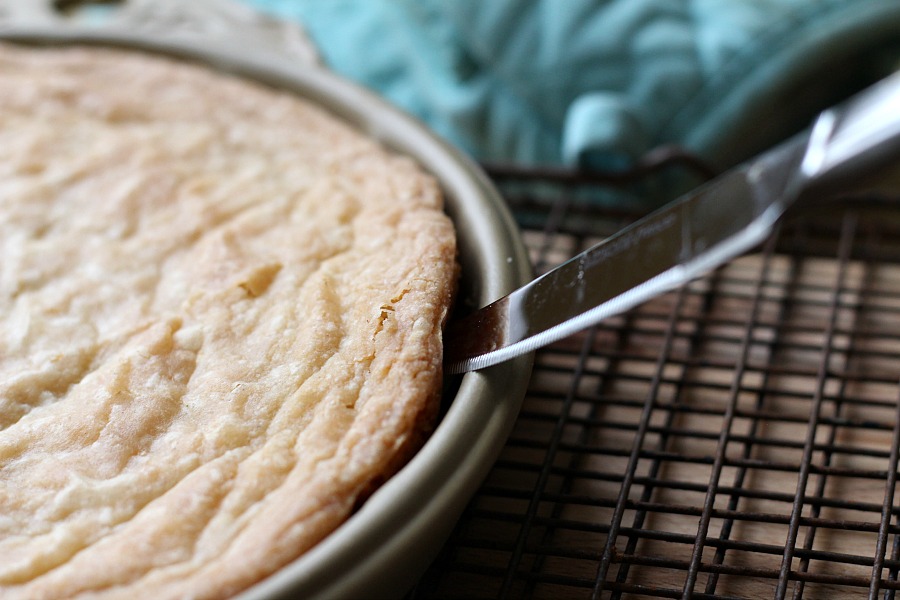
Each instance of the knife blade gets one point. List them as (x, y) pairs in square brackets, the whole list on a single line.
[(686, 238)]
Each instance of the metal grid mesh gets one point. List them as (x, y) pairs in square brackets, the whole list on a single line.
[(737, 438)]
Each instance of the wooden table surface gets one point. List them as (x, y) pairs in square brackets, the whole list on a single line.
[(736, 438)]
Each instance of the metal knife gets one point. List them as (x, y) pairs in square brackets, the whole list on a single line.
[(688, 237)]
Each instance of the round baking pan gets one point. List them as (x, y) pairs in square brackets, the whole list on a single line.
[(385, 546)]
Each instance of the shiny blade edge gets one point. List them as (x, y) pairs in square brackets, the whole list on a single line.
[(754, 233)]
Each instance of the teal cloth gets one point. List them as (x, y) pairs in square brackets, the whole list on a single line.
[(601, 82)]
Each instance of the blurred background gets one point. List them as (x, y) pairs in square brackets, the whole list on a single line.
[(598, 84)]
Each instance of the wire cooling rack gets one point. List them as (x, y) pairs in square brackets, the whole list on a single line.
[(736, 438)]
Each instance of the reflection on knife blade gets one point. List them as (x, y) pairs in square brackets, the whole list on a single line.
[(686, 238)]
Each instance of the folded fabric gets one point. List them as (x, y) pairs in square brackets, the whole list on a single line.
[(600, 82)]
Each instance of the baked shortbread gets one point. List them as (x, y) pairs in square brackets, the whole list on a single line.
[(220, 324)]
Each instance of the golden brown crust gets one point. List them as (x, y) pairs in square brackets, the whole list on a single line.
[(220, 316)]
